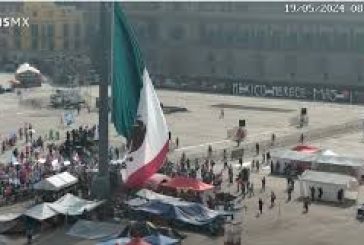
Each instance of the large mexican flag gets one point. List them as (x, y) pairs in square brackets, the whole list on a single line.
[(136, 110)]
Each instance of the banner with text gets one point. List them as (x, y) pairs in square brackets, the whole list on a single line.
[(313, 92)]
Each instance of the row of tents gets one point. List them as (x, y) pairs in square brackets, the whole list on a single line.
[(67, 205), (320, 171), (310, 157), (105, 233), (149, 205)]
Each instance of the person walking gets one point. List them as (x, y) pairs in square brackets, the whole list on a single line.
[(29, 236), (320, 193), (257, 149), (340, 195), (312, 193), (302, 138), (289, 192), (263, 184), (224, 155), (222, 113), (260, 204), (231, 174), (273, 139), (177, 142), (272, 199), (306, 203), (251, 190), (209, 152), (241, 162), (243, 189)]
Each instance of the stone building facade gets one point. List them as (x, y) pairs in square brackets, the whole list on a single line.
[(253, 41)]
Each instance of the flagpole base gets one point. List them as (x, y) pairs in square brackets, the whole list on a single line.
[(101, 187)]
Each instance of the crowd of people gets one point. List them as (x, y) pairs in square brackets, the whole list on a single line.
[(34, 158)]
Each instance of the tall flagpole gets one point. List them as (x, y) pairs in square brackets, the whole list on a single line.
[(101, 184)]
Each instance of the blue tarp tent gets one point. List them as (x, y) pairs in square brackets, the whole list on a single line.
[(186, 212), (154, 240)]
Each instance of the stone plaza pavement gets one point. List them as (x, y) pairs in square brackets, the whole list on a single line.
[(201, 126)]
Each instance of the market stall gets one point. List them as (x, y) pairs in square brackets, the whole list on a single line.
[(330, 183)]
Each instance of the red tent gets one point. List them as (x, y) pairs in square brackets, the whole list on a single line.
[(155, 180), (188, 183), (137, 241), (306, 149)]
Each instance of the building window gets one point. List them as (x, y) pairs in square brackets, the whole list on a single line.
[(77, 43), (17, 35), (34, 36), (66, 43), (211, 57), (153, 30), (290, 64), (241, 7), (65, 36), (178, 6), (77, 29), (50, 36), (65, 29), (43, 37), (213, 70), (177, 32)]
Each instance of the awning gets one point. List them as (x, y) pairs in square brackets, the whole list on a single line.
[(72, 205), (9, 217), (91, 230), (188, 183), (306, 149), (292, 155), (151, 195), (329, 178), (155, 180), (56, 182), (41, 212), (26, 68)]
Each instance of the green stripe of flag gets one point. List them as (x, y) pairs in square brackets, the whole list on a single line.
[(128, 69)]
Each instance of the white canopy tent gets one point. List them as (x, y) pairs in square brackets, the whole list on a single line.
[(56, 182), (26, 68), (327, 152), (330, 183), (281, 157), (151, 195), (72, 205), (41, 212), (8, 221), (340, 164)]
